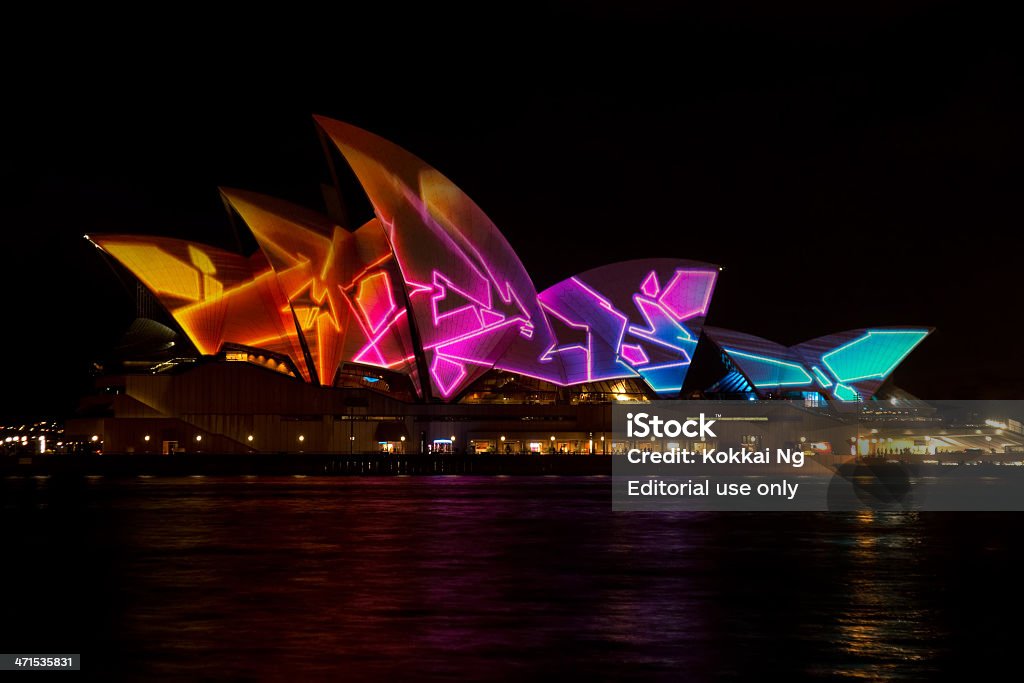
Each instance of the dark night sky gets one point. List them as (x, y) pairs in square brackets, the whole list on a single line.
[(847, 166)]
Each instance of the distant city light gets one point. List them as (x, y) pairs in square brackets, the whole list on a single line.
[(146, 437), (199, 437), (95, 437), (249, 438), (301, 437)]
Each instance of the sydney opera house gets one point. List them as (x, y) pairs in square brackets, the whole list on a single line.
[(421, 330)]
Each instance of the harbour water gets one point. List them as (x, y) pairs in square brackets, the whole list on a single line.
[(500, 578)]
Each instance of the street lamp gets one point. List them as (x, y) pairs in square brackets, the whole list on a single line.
[(199, 437), (146, 438), (249, 438)]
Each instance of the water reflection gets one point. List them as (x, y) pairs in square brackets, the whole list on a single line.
[(463, 577), (885, 628)]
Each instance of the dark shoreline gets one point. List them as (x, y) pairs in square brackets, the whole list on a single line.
[(310, 464), (377, 464)]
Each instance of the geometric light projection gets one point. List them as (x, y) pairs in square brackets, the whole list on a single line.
[(847, 366), (858, 361), (375, 299), (315, 293), (637, 319), (337, 282), (732, 383), (822, 379), (873, 355), (215, 296), (845, 393), (763, 371), (688, 293), (431, 289), (474, 306), (470, 299), (633, 354)]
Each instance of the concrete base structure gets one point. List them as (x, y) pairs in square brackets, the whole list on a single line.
[(216, 407)]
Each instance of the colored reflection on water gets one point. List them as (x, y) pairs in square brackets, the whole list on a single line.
[(490, 578)]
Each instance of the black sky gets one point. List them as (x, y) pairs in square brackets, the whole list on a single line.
[(847, 166)]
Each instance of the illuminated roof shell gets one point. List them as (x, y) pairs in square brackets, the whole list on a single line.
[(847, 366), (431, 287)]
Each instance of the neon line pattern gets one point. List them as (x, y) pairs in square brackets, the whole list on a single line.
[(430, 266), (846, 366)]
